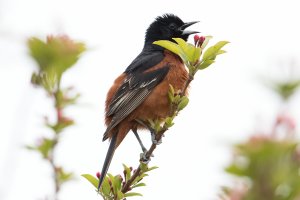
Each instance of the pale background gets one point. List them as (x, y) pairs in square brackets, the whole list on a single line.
[(227, 101)]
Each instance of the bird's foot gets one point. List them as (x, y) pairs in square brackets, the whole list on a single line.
[(154, 140), (144, 159), (145, 151)]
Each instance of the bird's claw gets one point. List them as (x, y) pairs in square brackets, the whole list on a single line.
[(145, 151), (154, 140), (144, 159)]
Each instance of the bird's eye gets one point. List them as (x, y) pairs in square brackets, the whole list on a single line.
[(172, 26)]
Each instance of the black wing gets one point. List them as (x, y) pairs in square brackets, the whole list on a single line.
[(131, 94), (145, 60)]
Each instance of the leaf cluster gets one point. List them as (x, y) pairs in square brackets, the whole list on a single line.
[(53, 57), (192, 55), (271, 166), (285, 89), (119, 187)]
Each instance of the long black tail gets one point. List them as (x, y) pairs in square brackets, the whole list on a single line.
[(108, 158)]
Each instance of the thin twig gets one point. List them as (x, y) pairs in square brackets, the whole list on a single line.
[(191, 78), (55, 141)]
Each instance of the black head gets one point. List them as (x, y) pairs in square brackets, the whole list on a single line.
[(166, 27)]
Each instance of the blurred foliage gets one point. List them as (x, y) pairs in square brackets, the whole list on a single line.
[(271, 167), (268, 166), (54, 57), (286, 89)]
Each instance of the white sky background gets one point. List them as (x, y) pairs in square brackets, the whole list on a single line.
[(227, 101)]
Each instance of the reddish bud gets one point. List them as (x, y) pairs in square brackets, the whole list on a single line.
[(98, 174), (130, 168), (196, 39), (201, 40), (59, 114)]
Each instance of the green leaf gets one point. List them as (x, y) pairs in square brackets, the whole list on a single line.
[(286, 89), (139, 185), (93, 180), (220, 45), (157, 126), (54, 56), (197, 54), (151, 168), (213, 51), (180, 42), (187, 49), (205, 64), (205, 42), (105, 186), (112, 179), (64, 176), (183, 102), (176, 99), (171, 93), (139, 178), (128, 172), (38, 50), (221, 52), (120, 195), (209, 54), (61, 125), (169, 122), (171, 46), (171, 89), (143, 167), (191, 52), (171, 96), (45, 147), (117, 183), (131, 194)]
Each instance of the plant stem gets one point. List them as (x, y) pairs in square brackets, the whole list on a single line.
[(191, 78), (51, 159)]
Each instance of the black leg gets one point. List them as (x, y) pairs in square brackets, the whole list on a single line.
[(154, 141), (139, 140)]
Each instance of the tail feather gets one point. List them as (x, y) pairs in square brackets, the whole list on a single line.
[(108, 158)]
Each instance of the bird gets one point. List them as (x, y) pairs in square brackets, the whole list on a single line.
[(140, 93)]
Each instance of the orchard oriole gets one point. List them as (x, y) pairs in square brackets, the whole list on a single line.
[(141, 92)]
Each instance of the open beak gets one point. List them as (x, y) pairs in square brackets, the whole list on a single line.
[(185, 25)]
